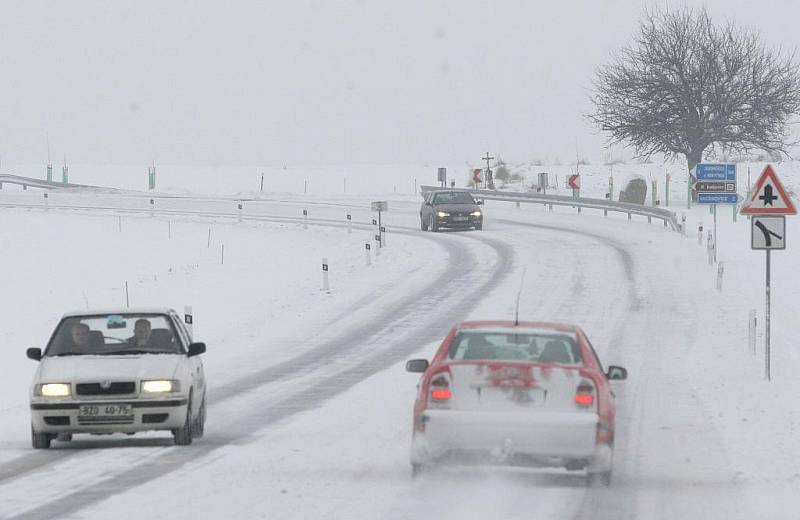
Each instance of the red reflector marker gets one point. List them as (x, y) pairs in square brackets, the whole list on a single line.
[(441, 394), (584, 399)]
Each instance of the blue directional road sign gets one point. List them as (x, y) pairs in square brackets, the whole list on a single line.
[(715, 172), (717, 198), (716, 183)]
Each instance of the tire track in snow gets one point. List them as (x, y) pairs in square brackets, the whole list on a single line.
[(415, 320)]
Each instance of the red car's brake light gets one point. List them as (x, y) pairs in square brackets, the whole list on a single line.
[(441, 394), (584, 396), (440, 388)]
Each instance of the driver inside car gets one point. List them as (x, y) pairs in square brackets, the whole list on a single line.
[(141, 333)]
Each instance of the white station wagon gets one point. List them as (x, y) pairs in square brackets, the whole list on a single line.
[(121, 371)]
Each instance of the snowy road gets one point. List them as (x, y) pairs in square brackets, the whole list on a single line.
[(322, 431)]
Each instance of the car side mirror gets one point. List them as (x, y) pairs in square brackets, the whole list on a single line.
[(196, 349), (616, 373), (34, 354), (417, 365)]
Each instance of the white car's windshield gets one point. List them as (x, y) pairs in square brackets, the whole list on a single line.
[(536, 348), (114, 334)]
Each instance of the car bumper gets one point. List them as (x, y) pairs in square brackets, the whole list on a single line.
[(147, 414), (451, 222), (546, 438)]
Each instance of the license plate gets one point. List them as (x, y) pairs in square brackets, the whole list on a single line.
[(105, 410), (460, 218)]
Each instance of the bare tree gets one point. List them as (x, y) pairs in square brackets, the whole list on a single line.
[(686, 86)]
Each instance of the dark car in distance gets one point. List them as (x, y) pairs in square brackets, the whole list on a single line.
[(453, 209)]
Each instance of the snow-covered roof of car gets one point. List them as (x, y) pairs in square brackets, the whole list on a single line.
[(135, 310)]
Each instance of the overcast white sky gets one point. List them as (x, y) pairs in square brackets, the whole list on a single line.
[(316, 82)]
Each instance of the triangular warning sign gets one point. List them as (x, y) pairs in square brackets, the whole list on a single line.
[(768, 197)]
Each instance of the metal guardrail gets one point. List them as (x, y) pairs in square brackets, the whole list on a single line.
[(669, 217), (26, 182)]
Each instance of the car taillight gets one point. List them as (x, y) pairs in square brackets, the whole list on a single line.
[(584, 396), (440, 389), (441, 394)]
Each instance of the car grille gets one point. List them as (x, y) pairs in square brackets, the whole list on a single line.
[(105, 420), (116, 388)]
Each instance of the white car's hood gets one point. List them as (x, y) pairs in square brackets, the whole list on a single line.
[(65, 369)]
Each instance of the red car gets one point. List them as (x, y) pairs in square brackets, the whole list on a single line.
[(524, 393)]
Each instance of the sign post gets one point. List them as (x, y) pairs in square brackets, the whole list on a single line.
[(441, 176), (716, 184), (768, 204), (380, 206)]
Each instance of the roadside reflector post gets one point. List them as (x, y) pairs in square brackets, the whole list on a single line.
[(649, 219), (551, 207), (735, 211), (752, 323), (710, 247), (367, 254), (383, 236), (119, 223), (378, 244), (127, 296), (240, 211), (666, 189), (222, 255), (605, 212), (325, 286), (720, 272), (683, 225), (305, 219), (208, 244), (169, 229), (629, 216), (349, 222), (188, 320), (152, 207), (46, 203), (700, 234)]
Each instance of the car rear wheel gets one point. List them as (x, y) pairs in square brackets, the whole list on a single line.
[(183, 435), (41, 440)]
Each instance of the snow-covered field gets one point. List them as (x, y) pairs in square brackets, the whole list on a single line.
[(310, 409)]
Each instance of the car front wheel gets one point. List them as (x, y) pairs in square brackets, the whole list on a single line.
[(422, 224), (40, 440), (183, 435), (434, 227)]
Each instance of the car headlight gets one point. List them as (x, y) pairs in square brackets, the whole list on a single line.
[(53, 390), (476, 213), (160, 386), (442, 214)]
